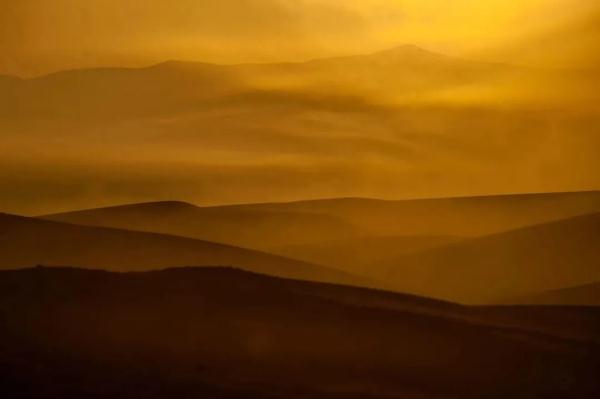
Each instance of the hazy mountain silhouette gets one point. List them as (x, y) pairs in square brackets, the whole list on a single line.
[(588, 294), (370, 237), (361, 255), (274, 225), (403, 70), (459, 216), (258, 229), (533, 259), (27, 242), (224, 333), (418, 124), (406, 72), (121, 92)]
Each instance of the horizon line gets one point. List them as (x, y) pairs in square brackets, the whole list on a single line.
[(317, 199)]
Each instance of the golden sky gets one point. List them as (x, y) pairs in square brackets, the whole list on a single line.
[(38, 36)]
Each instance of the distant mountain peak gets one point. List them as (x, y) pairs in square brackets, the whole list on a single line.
[(160, 205), (9, 78), (407, 50), (182, 65)]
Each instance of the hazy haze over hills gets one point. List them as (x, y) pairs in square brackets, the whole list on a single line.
[(249, 228), (499, 267), (50, 35), (473, 250), (402, 123), (325, 223)]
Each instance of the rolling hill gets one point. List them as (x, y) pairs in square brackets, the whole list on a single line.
[(225, 333), (251, 228), (583, 295), (496, 267), (457, 216), (26, 242), (361, 255), (330, 226)]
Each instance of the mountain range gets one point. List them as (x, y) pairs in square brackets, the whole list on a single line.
[(399, 123), (513, 246), (27, 242)]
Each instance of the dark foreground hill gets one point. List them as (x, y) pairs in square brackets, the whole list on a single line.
[(224, 333)]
